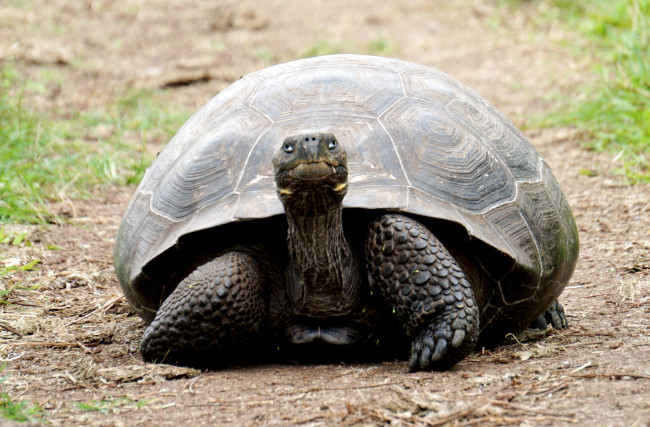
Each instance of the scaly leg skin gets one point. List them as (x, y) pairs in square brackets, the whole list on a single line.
[(428, 291), (217, 310), (554, 316)]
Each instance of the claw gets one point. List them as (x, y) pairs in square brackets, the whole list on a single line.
[(558, 320), (413, 362), (458, 338), (429, 342), (425, 357), (440, 351)]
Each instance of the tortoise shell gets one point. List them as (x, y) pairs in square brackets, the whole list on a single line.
[(418, 142)]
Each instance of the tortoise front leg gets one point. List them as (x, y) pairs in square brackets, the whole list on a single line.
[(427, 289), (217, 310)]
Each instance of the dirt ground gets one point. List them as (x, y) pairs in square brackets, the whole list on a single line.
[(72, 345)]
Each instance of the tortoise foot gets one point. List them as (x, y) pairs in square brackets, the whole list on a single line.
[(554, 316), (427, 289), (215, 312), (441, 345)]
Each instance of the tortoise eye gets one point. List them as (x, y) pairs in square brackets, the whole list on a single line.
[(332, 144), (287, 147)]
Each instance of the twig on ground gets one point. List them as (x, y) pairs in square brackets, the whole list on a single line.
[(617, 375), (106, 306), (44, 344), (8, 327)]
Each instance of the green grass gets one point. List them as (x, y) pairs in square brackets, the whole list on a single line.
[(379, 46), (105, 406), (615, 114), (135, 120), (24, 267), (14, 239), (18, 411), (28, 266), (21, 138), (43, 162)]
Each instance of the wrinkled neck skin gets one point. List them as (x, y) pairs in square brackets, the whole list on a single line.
[(323, 277)]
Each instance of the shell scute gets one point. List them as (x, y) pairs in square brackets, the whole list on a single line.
[(313, 92), (446, 158)]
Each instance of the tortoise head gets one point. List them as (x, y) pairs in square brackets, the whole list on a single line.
[(309, 163)]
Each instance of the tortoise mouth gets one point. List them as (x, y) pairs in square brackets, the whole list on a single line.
[(315, 178), (313, 170)]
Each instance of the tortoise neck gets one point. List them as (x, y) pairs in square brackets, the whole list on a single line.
[(323, 274)]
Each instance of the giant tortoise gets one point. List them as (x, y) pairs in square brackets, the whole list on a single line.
[(344, 201)]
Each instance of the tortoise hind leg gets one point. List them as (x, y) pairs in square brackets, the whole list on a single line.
[(216, 311), (428, 291), (554, 316)]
